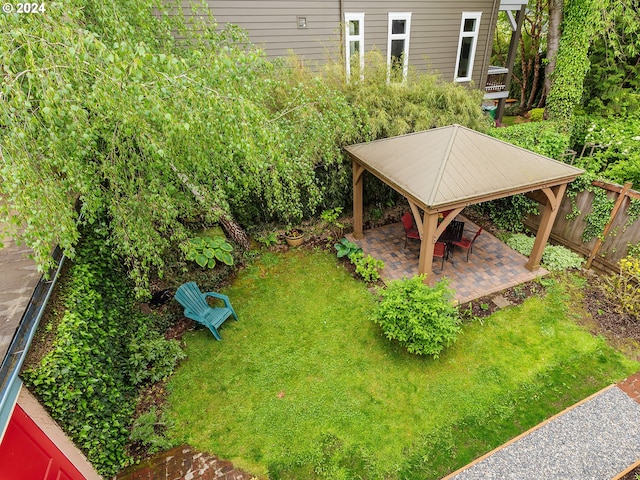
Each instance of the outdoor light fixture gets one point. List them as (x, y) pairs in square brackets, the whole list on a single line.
[(302, 22)]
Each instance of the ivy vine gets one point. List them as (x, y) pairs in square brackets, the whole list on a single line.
[(633, 211), (582, 20), (599, 216), (601, 206)]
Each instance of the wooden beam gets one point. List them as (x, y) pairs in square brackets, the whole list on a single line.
[(416, 217), (594, 251), (554, 196), (358, 189), (611, 187)]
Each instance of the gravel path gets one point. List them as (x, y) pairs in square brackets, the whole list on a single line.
[(594, 441)]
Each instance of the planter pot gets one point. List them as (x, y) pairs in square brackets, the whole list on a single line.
[(294, 240)]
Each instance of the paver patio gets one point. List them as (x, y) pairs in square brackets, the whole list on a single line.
[(492, 267)]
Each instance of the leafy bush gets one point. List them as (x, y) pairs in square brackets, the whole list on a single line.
[(536, 114), (422, 318), (508, 213), (367, 267), (149, 429), (421, 102), (554, 257), (623, 289), (345, 248), (206, 250), (546, 138), (151, 357), (330, 216), (268, 239), (102, 351)]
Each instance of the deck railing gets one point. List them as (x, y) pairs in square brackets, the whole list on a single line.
[(496, 79)]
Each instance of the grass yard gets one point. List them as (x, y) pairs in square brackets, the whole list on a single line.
[(306, 386)]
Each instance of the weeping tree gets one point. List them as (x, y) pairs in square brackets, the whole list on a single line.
[(101, 108)]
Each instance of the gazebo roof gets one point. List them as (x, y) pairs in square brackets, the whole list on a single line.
[(455, 166)]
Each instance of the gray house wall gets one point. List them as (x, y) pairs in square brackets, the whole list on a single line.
[(435, 28), (272, 25)]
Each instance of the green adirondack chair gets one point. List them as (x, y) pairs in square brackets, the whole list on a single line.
[(196, 307)]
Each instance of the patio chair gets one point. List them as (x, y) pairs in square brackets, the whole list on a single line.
[(468, 244), (196, 307), (410, 230), (440, 251)]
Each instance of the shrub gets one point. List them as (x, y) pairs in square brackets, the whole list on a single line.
[(536, 114), (334, 227), (367, 267), (421, 318), (345, 248), (149, 429), (508, 213), (546, 138), (555, 257), (623, 289), (151, 357)]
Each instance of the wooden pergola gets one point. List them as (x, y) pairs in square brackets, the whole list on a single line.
[(450, 168)]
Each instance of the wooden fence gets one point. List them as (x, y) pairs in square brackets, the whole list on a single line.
[(621, 230)]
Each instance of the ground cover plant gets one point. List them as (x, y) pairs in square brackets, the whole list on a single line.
[(102, 352), (305, 385)]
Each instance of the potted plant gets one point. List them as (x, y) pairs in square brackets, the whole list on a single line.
[(294, 237)]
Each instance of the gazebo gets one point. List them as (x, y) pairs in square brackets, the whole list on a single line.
[(450, 168)]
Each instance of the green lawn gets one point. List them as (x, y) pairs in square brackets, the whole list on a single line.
[(304, 382)]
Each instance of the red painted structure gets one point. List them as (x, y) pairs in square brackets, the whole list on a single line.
[(26, 453)]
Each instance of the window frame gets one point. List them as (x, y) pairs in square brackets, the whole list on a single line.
[(348, 38), (406, 16), (472, 54)]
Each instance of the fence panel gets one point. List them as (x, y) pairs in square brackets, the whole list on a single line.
[(624, 229)]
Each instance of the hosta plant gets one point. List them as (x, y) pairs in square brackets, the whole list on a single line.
[(206, 251), (346, 248)]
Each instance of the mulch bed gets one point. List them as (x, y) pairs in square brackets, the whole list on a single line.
[(612, 322)]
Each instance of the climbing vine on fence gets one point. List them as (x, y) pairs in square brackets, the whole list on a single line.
[(601, 206), (633, 211)]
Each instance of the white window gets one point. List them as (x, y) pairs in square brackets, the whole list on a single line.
[(469, 28), (354, 43), (398, 46)]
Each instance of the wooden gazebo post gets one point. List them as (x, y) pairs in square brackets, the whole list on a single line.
[(553, 198), (427, 245), (358, 188)]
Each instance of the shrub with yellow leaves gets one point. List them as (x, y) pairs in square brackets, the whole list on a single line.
[(623, 289)]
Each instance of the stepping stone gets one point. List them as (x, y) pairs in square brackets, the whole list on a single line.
[(501, 301)]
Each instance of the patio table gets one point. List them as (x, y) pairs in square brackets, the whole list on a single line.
[(453, 233)]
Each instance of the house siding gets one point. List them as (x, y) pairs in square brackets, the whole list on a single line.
[(272, 25), (435, 29)]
